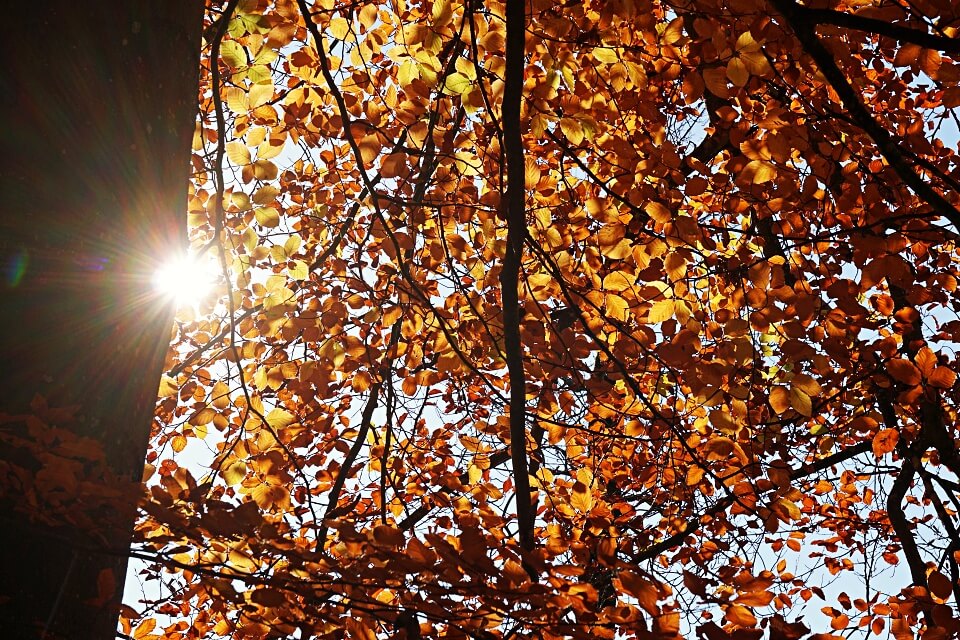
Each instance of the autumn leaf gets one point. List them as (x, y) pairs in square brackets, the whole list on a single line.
[(904, 371), (885, 441), (234, 472), (658, 212), (660, 311), (581, 498), (754, 599), (642, 589), (780, 399), (512, 303), (758, 172), (940, 585), (801, 402), (740, 616)]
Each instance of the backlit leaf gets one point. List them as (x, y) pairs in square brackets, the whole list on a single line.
[(885, 441)]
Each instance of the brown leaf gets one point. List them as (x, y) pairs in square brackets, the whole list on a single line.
[(904, 371), (642, 589), (940, 585), (942, 377)]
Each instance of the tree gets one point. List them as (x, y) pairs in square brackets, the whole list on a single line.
[(98, 106), (581, 319)]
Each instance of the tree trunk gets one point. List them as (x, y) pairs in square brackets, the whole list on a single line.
[(97, 109)]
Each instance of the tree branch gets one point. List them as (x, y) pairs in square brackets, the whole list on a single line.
[(796, 17), (515, 205), (879, 27)]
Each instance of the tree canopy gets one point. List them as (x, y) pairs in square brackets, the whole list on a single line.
[(620, 318)]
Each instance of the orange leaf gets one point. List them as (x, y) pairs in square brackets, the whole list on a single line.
[(758, 172), (885, 441), (840, 622), (144, 628), (926, 361), (942, 377), (755, 599), (904, 371), (907, 55), (658, 212), (642, 589), (779, 399), (740, 616), (806, 384), (901, 630), (582, 498)]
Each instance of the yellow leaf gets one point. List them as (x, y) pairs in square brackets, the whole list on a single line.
[(441, 12), (233, 54), (531, 173), (676, 266), (266, 194), (407, 73), (338, 28), (618, 281), (267, 217), (168, 387), (759, 172), (264, 170), (617, 307), (203, 416), (271, 149), (737, 72), (661, 311), (238, 153), (800, 401), (582, 497), (618, 251), (299, 270), (236, 99), (278, 418), (220, 395), (234, 472), (572, 130), (457, 84), (610, 234)]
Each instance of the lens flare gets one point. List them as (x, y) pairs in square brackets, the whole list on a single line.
[(186, 279)]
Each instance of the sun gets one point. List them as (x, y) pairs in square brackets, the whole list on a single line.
[(185, 279)]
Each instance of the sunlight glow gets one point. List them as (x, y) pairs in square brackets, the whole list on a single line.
[(186, 279)]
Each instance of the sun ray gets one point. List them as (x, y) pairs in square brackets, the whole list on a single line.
[(185, 279)]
